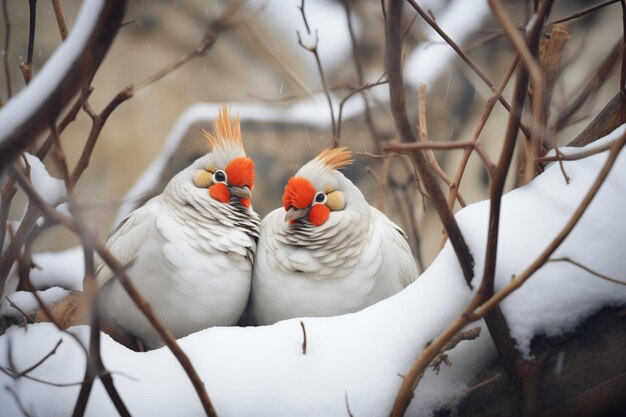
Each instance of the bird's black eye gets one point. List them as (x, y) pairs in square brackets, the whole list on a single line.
[(320, 197), (219, 176)]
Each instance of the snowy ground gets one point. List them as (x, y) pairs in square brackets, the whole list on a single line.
[(262, 371)]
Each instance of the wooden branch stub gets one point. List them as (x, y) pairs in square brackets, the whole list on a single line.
[(550, 60)]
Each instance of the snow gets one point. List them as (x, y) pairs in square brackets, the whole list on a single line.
[(311, 112), (27, 302), (51, 189), (64, 269), (459, 20), (19, 108), (53, 269), (262, 371)]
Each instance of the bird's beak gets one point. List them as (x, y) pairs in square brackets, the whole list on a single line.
[(294, 213), (240, 192)]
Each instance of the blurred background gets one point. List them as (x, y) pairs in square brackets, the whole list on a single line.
[(259, 66)]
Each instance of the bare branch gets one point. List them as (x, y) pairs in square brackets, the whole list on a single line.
[(622, 84), (586, 268), (578, 155), (313, 50), (25, 318), (32, 8), (303, 337), (306, 24), (7, 38), (40, 361), (584, 12), (58, 14)]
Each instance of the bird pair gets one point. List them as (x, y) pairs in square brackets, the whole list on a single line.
[(198, 252)]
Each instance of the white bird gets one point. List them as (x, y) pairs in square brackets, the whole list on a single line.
[(189, 250), (327, 252)]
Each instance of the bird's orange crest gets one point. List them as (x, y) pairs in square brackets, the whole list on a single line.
[(335, 158), (299, 193), (225, 132), (240, 172)]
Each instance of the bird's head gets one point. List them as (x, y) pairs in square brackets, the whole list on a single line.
[(225, 171), (318, 188)]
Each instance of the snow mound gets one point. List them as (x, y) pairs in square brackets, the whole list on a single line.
[(357, 357)]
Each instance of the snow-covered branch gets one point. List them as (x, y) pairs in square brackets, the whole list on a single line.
[(75, 62)]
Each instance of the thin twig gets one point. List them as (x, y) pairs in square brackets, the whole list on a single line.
[(98, 122), (7, 38), (586, 268), (358, 66), (10, 373), (25, 318), (303, 338), (343, 101), (313, 50), (40, 361), (481, 74), (583, 12), (622, 85), (577, 155), (458, 177), (412, 146), (58, 14), (345, 396), (31, 31), (306, 24)]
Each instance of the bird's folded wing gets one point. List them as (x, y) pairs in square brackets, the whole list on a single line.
[(125, 240), (397, 246)]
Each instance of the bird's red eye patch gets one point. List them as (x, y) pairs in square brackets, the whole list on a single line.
[(240, 172), (220, 192), (299, 193), (319, 214)]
